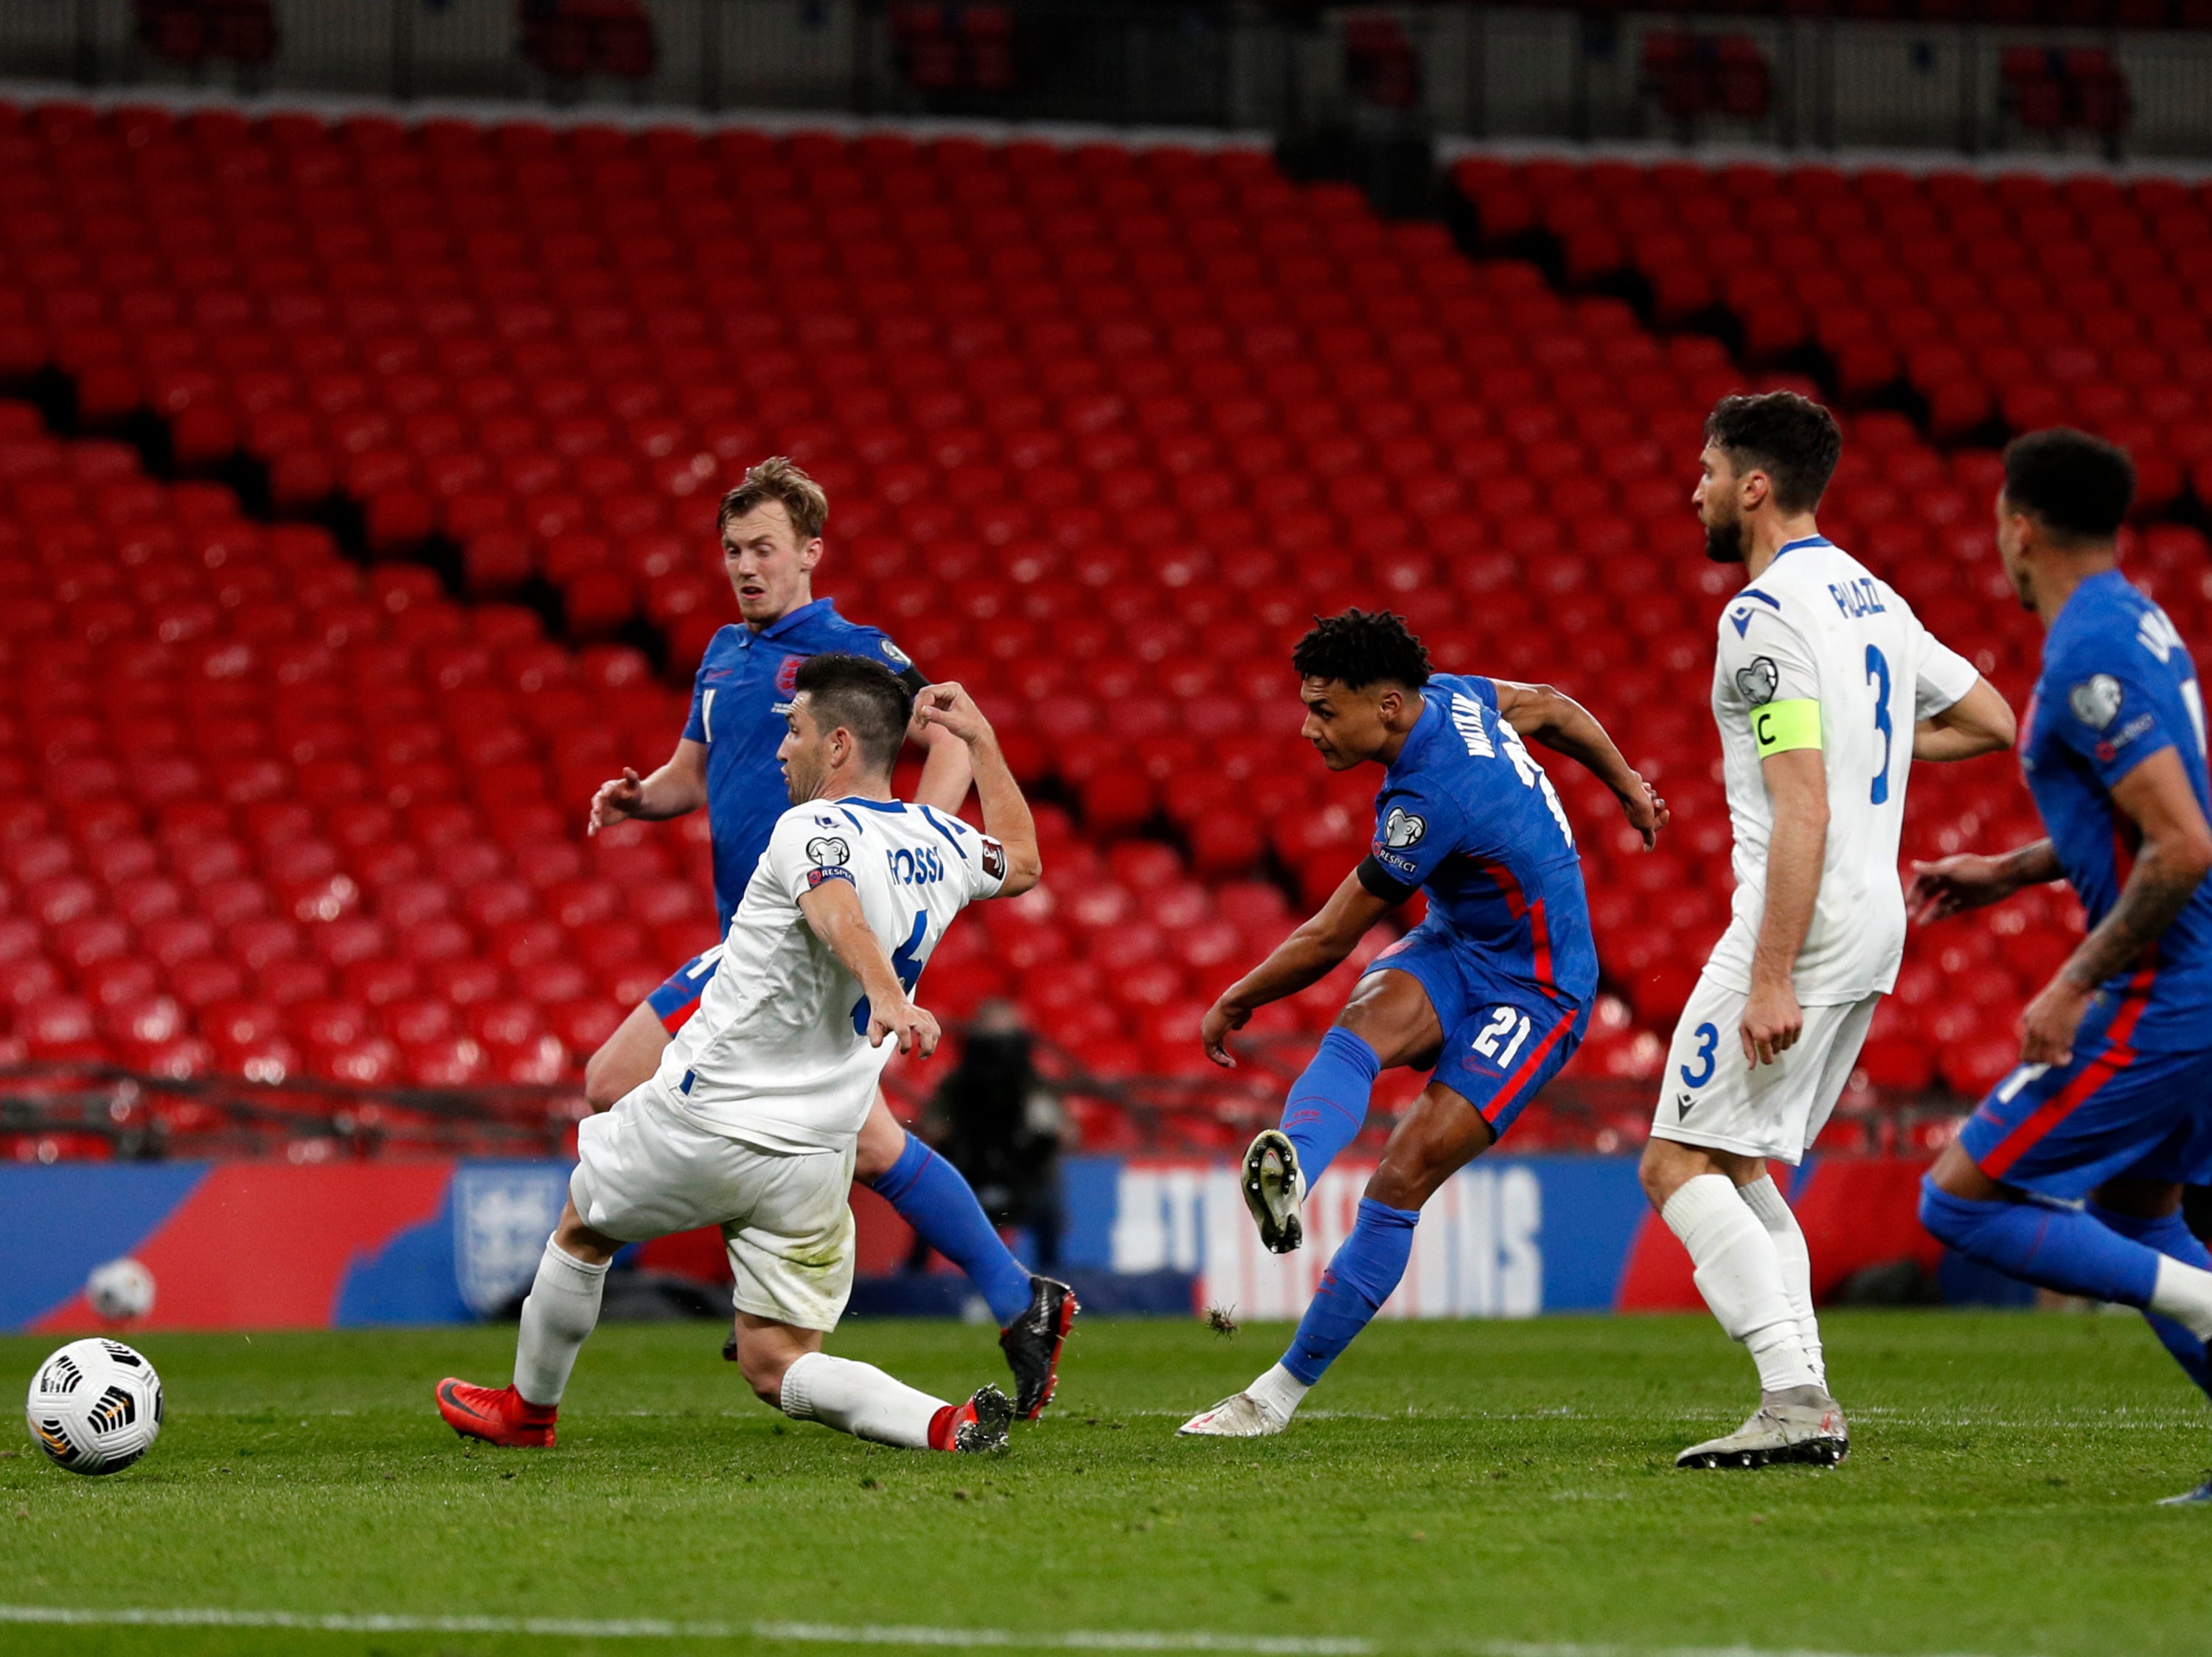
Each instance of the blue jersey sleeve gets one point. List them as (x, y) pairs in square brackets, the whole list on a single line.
[(876, 645), (2116, 715), (695, 722), (1417, 826)]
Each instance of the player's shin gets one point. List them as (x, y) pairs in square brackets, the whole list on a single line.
[(2169, 1234), (1765, 1201), (2069, 1251), (1739, 1275), (1361, 1276), (562, 1310), (1327, 1103), (859, 1399), (929, 1195)]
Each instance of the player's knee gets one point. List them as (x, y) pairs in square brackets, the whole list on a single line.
[(881, 1144), (1399, 1187), (1660, 1171), (599, 1092)]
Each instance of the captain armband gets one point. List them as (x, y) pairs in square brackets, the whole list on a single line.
[(1779, 727)]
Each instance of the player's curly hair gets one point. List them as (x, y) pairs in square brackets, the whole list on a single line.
[(2080, 486), (778, 479), (860, 696), (1792, 439), (1361, 647)]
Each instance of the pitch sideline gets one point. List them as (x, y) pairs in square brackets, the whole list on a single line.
[(647, 1628)]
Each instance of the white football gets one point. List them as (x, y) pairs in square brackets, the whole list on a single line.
[(120, 1290), (95, 1406)]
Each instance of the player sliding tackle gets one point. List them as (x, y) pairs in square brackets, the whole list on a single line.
[(1826, 689), (751, 1120), (2111, 1105), (1492, 991)]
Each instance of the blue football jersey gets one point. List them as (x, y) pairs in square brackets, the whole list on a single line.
[(2118, 687), (737, 701), (1467, 815)]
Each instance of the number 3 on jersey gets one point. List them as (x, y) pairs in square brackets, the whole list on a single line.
[(1878, 674), (1504, 1022)]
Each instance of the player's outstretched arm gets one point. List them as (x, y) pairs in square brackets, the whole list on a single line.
[(1950, 886), (1307, 956), (2175, 857), (949, 708), (1981, 722), (1562, 724), (832, 909), (677, 787)]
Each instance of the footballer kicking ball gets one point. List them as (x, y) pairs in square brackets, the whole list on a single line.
[(95, 1406), (120, 1290)]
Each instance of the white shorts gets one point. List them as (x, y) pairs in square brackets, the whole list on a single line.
[(643, 1171), (1711, 1096)]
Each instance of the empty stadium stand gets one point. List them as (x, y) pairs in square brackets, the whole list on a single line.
[(1102, 428)]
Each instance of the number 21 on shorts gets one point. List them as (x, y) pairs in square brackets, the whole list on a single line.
[(1508, 1028)]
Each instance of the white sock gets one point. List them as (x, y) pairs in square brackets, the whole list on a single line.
[(1279, 1393), (1739, 1276), (857, 1398), (2184, 1293), (563, 1308), (1782, 1229)]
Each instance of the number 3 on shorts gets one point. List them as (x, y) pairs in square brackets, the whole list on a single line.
[(1503, 1020), (1709, 1039)]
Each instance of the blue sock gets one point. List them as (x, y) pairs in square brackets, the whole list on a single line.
[(2052, 1247), (1366, 1267), (1329, 1101), (930, 1195), (2171, 1236)]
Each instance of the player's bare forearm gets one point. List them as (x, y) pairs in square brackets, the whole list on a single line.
[(1007, 817), (677, 787), (946, 770), (1796, 780), (951, 713), (1317, 948), (1981, 722), (1562, 724), (833, 915), (2036, 864), (2170, 863)]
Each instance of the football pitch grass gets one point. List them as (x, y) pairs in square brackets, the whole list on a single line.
[(1467, 1488)]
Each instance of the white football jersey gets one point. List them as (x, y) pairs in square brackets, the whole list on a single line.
[(777, 1054), (1817, 626)]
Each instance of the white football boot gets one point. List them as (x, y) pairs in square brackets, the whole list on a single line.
[(1242, 1416), (1273, 1190), (1780, 1432)]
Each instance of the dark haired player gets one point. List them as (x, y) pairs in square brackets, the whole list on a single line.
[(2111, 1105), (749, 1122), (1826, 689), (1491, 992), (771, 528)]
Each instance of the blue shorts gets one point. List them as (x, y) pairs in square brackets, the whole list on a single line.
[(2063, 1132), (1502, 1041), (677, 998)]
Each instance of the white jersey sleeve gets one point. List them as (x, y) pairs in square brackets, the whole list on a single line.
[(809, 845), (1765, 657), (1942, 677), (980, 869)]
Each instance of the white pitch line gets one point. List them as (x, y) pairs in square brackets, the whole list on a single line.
[(648, 1628), (866, 1634)]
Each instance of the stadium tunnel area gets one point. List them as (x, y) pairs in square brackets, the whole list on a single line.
[(360, 519)]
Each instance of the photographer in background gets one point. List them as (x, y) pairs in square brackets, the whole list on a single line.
[(992, 1121)]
